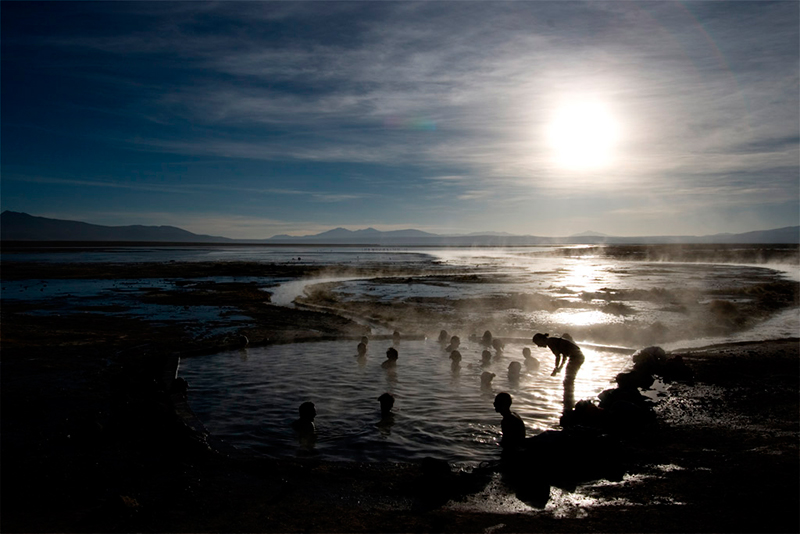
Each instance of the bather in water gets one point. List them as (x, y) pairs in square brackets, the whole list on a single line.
[(514, 369), (455, 359), (531, 363), (443, 336), (498, 346), (486, 340), (512, 425), (387, 417), (454, 344), (391, 358), (304, 426), (486, 380)]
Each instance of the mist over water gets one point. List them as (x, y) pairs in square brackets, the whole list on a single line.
[(603, 300), (250, 397)]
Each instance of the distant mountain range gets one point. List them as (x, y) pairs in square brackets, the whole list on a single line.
[(15, 226)]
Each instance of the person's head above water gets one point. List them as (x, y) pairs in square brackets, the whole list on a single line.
[(455, 356), (443, 336), (391, 353), (502, 402), (486, 378), (487, 337), (362, 349), (526, 353), (365, 340), (387, 402), (486, 357), (308, 411)]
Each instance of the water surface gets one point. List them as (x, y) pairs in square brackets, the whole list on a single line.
[(250, 397)]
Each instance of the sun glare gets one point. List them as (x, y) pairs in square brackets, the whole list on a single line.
[(583, 136)]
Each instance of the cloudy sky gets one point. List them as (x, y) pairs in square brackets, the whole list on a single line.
[(544, 118)]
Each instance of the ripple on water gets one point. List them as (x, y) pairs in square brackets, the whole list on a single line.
[(249, 398)]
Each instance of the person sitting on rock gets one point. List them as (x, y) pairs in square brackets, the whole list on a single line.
[(512, 425), (391, 358), (565, 351)]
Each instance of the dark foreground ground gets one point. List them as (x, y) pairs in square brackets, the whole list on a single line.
[(95, 438)]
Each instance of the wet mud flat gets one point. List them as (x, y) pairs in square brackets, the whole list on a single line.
[(95, 438)]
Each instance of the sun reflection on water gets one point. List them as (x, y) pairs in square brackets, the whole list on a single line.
[(583, 317)]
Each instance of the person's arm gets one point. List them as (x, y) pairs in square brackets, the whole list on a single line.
[(557, 368)]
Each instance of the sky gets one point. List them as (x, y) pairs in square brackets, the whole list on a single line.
[(251, 119)]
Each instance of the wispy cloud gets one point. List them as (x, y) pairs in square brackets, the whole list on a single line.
[(456, 98)]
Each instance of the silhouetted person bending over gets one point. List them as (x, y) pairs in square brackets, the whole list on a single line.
[(565, 351), (512, 425)]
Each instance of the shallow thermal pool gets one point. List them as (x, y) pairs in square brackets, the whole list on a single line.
[(250, 397)]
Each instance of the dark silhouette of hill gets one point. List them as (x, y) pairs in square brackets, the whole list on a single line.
[(15, 226), (366, 233)]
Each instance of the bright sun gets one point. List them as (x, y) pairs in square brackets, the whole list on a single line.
[(583, 136)]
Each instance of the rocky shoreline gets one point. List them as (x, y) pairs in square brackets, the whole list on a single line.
[(96, 437)]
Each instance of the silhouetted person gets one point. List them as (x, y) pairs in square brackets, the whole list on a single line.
[(387, 403), (565, 351), (498, 346), (454, 344), (531, 363), (443, 337), (486, 380), (304, 426), (391, 358), (514, 369), (387, 417), (486, 340), (512, 425), (486, 358), (455, 360)]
